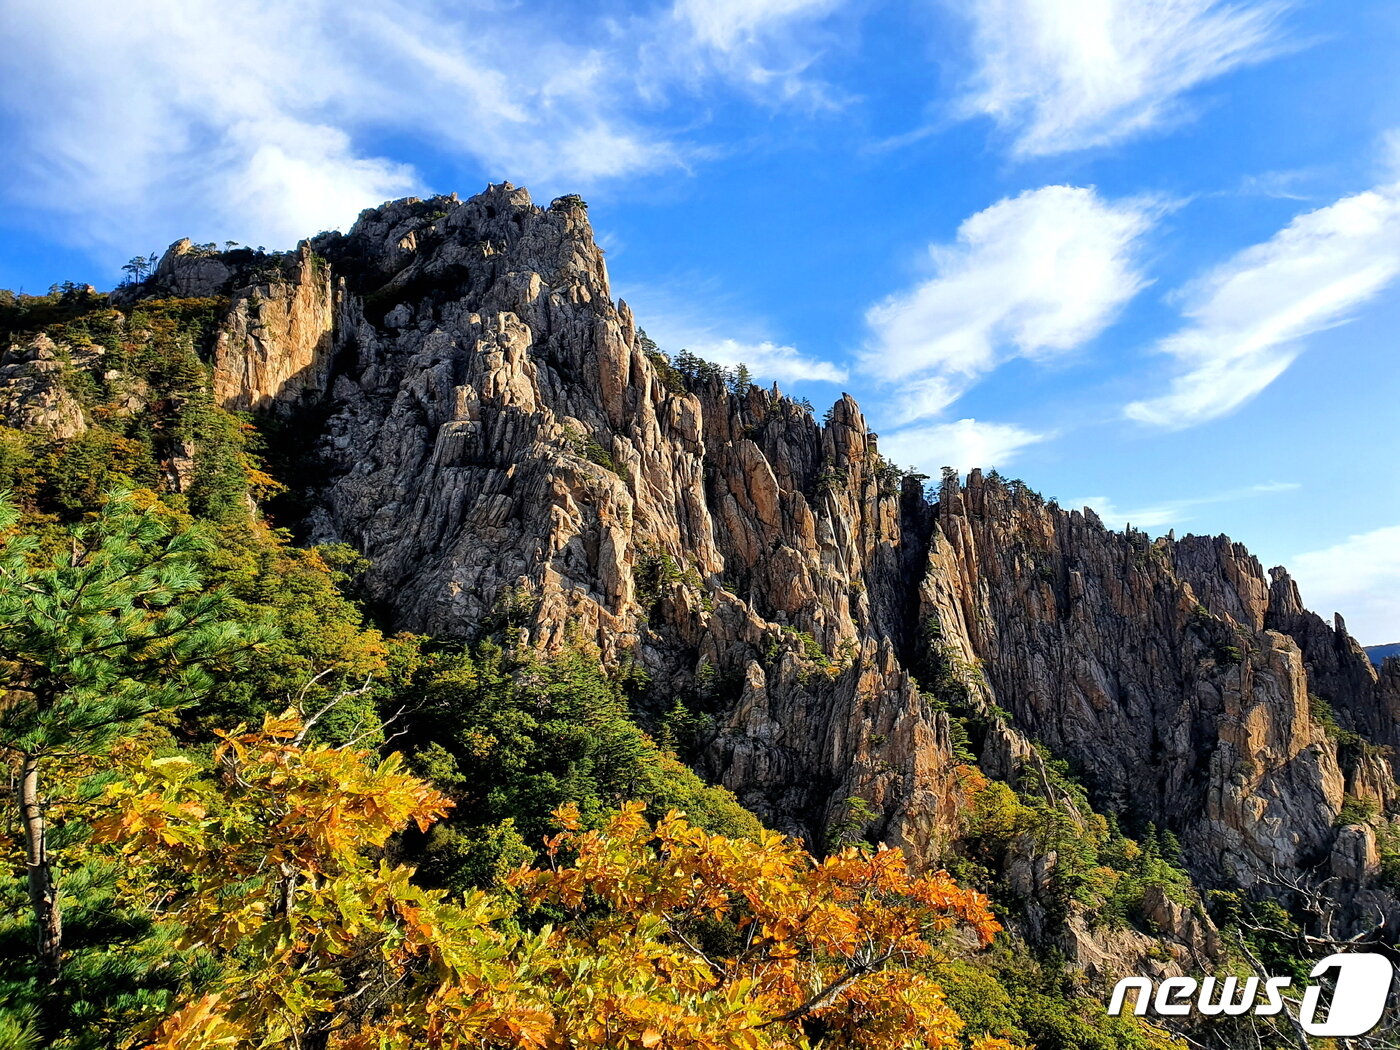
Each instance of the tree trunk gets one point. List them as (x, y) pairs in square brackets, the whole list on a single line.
[(43, 889)]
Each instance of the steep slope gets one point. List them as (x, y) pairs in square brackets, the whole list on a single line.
[(476, 414), (1152, 666), (499, 439)]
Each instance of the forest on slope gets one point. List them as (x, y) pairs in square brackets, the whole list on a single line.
[(253, 809)]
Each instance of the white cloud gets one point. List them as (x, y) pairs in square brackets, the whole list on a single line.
[(763, 46), (730, 24), (1360, 578), (293, 179), (1281, 185), (142, 122), (1172, 512), (767, 360), (1069, 74), (155, 119), (964, 444), (1251, 315), (698, 314), (1032, 276)]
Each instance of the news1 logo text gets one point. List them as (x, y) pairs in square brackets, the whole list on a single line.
[(1358, 997)]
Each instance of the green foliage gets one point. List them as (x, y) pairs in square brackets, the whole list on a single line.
[(152, 422), (829, 479), (671, 377), (813, 661), (1357, 811), (1350, 745), (19, 1026), (1268, 929), (323, 651), (1229, 655), (888, 478), (699, 373), (683, 727), (689, 723), (121, 968), (75, 473), (1028, 1001), (687, 372), (19, 471), (657, 570), (463, 858), (513, 612), (139, 267), (742, 380), (20, 313), (1224, 642), (97, 636), (107, 632), (510, 737), (851, 828), (587, 447), (952, 681), (1099, 872), (1387, 839)]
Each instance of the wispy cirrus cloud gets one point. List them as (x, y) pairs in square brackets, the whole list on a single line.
[(1250, 317), (1280, 185), (1063, 75), (1173, 512), (135, 124), (1032, 276), (733, 25)]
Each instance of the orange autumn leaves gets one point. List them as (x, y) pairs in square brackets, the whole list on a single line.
[(631, 935), (751, 940)]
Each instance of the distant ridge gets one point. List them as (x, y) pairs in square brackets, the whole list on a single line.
[(1378, 653)]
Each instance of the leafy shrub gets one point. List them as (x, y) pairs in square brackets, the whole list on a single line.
[(587, 447)]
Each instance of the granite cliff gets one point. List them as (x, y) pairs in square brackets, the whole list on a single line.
[(475, 413)]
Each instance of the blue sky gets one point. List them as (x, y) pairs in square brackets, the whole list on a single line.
[(1145, 255)]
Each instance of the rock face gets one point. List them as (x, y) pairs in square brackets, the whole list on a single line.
[(1149, 665), (275, 343), (499, 443), (492, 432), (1366, 698), (32, 393)]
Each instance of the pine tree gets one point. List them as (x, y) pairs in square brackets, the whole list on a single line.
[(94, 639), (743, 379)]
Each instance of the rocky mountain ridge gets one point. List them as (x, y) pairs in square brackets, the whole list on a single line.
[(492, 431)]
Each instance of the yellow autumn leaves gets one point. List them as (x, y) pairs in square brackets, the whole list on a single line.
[(629, 935)]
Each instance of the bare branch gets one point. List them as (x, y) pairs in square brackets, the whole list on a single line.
[(340, 697)]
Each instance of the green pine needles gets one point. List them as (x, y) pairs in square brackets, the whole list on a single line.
[(96, 637)]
